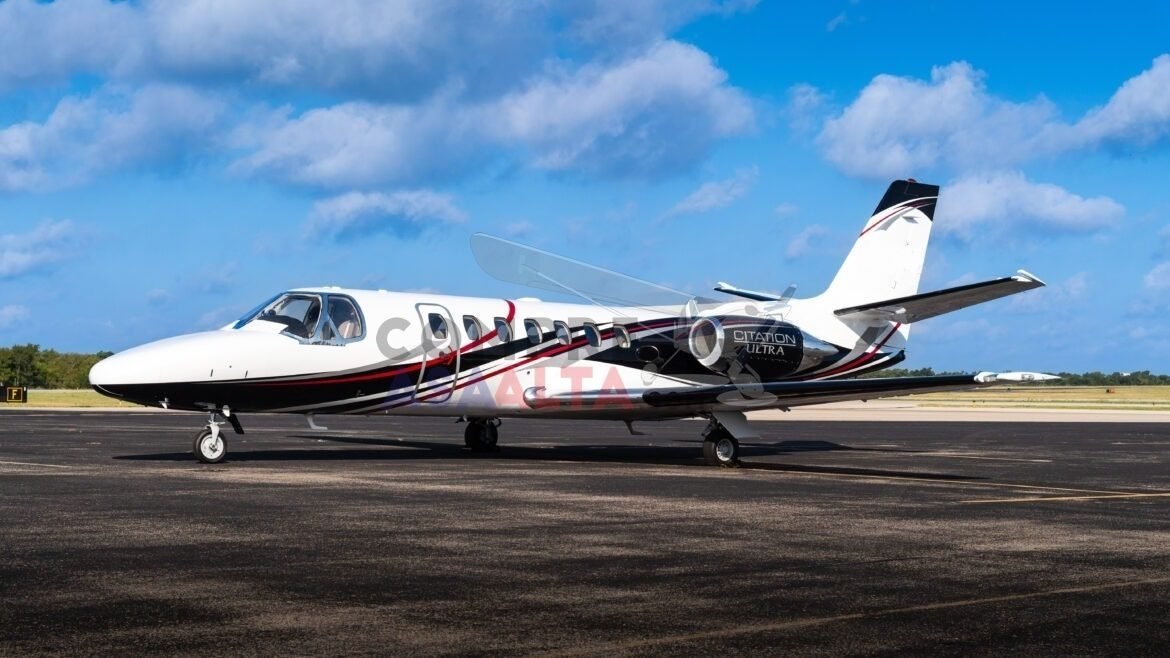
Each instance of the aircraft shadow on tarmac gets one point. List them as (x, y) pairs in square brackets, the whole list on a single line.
[(660, 455)]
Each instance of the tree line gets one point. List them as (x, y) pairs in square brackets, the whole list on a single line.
[(29, 365)]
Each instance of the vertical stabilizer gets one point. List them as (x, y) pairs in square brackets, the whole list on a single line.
[(886, 260)]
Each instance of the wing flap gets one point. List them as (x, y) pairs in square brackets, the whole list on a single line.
[(930, 304)]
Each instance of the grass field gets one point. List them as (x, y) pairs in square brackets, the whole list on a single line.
[(71, 398), (1155, 398)]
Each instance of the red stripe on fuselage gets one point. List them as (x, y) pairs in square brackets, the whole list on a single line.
[(862, 359)]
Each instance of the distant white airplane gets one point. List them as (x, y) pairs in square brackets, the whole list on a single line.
[(635, 351)]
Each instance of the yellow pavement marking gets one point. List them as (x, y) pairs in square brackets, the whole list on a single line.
[(1046, 498), (817, 621), (33, 464)]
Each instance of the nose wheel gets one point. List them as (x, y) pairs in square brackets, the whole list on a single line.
[(481, 434), (210, 447)]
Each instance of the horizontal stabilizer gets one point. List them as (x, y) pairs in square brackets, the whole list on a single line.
[(755, 295), (929, 304)]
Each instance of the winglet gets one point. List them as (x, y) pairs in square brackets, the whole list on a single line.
[(1025, 276)]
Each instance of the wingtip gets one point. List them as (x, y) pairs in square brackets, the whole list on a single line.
[(1025, 275)]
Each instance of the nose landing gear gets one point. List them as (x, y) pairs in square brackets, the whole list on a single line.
[(210, 446)]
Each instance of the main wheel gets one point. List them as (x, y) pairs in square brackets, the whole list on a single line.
[(721, 449), (480, 435), (209, 449)]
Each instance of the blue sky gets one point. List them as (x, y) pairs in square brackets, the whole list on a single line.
[(166, 165)]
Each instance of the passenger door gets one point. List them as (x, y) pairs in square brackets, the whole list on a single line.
[(440, 344)]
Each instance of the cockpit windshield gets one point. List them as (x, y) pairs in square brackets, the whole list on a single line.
[(298, 313), (301, 315)]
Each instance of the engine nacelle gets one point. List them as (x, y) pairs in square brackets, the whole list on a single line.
[(770, 348)]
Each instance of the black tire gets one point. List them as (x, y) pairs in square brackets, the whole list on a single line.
[(481, 435), (204, 450), (721, 449)]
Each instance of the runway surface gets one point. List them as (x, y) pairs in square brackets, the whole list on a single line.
[(386, 536)]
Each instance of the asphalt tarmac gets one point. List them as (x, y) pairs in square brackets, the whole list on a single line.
[(386, 536)]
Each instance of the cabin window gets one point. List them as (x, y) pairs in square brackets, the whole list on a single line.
[(622, 335), (564, 333), (438, 326), (503, 330), (535, 334), (592, 335), (473, 328)]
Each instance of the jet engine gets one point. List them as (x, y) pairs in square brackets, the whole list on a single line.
[(769, 348)]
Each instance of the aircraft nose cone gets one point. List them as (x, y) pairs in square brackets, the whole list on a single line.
[(105, 372)]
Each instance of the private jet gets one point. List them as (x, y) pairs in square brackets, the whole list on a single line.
[(630, 351)]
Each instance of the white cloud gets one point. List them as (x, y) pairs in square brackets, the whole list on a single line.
[(520, 229), (625, 102), (11, 314), (404, 213), (404, 50), (21, 253), (158, 297), (1138, 112), (804, 242), (623, 22), (806, 107), (836, 22), (401, 49), (656, 112), (899, 125), (1008, 199), (786, 209), (660, 110), (53, 40), (359, 144), (109, 130), (1158, 279), (713, 195)]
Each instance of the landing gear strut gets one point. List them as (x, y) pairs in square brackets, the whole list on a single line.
[(210, 446), (720, 448), (481, 434)]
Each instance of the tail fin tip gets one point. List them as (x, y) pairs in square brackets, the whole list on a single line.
[(901, 191)]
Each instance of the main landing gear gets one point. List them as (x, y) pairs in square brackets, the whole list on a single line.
[(210, 446), (719, 447), (481, 434)]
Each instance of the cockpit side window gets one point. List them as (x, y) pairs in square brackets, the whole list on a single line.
[(345, 323)]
